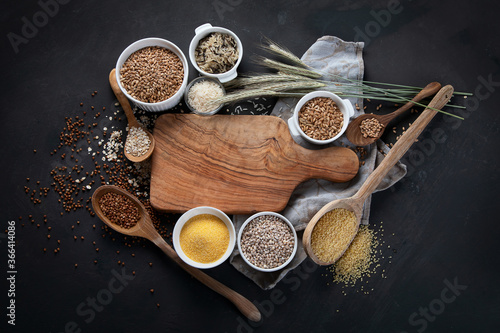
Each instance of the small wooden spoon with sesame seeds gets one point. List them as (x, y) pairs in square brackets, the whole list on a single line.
[(145, 228), (354, 133), (132, 121), (355, 203)]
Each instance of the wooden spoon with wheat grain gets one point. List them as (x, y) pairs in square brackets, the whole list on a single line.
[(354, 132), (355, 203)]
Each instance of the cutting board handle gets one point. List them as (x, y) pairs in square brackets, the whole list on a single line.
[(336, 164)]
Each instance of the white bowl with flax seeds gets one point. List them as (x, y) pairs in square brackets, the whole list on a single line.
[(153, 74), (267, 241), (320, 117), (216, 52)]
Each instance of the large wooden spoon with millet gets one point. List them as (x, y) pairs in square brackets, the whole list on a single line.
[(355, 203)]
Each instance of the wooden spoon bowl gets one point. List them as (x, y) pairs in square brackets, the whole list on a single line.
[(145, 228), (355, 203), (132, 121), (353, 131)]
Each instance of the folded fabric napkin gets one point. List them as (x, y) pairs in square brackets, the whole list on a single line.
[(328, 55)]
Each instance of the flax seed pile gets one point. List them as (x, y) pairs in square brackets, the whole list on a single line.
[(152, 74), (320, 118)]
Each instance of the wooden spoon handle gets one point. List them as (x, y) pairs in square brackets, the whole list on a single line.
[(247, 308), (427, 91), (404, 143), (122, 99)]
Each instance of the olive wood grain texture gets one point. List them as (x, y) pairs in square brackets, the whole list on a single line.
[(353, 131), (132, 121), (145, 228), (355, 203), (238, 164)]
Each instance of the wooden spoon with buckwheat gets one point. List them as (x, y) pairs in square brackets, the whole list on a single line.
[(145, 228)]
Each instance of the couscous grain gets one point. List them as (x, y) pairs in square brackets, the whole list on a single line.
[(204, 238), (333, 233)]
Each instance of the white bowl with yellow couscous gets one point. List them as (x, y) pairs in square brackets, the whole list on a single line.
[(204, 237)]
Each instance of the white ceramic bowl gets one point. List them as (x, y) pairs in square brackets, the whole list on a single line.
[(192, 83), (192, 213), (140, 44), (344, 105), (203, 31), (240, 233)]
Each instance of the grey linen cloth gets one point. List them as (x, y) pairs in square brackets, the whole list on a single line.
[(329, 55)]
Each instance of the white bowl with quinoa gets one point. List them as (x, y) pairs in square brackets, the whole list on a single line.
[(153, 74), (267, 241)]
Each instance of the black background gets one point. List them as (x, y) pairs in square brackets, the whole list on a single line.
[(440, 222)]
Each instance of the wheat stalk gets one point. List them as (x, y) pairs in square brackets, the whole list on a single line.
[(256, 79), (287, 69), (295, 79), (270, 89), (279, 50)]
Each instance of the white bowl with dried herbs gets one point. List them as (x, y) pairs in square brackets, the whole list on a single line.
[(267, 241), (153, 74), (216, 52), (320, 117)]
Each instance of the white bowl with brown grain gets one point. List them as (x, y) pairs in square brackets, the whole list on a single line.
[(320, 117), (153, 74), (267, 241)]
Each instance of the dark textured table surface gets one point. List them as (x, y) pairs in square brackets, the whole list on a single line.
[(439, 264)]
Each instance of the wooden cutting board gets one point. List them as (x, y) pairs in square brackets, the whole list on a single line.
[(238, 164)]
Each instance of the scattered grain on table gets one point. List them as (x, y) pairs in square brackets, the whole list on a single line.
[(95, 139), (361, 262)]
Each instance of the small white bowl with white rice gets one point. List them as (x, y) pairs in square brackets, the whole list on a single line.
[(199, 94)]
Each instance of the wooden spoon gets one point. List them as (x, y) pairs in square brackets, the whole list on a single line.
[(353, 131), (132, 121), (355, 203), (145, 228)]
